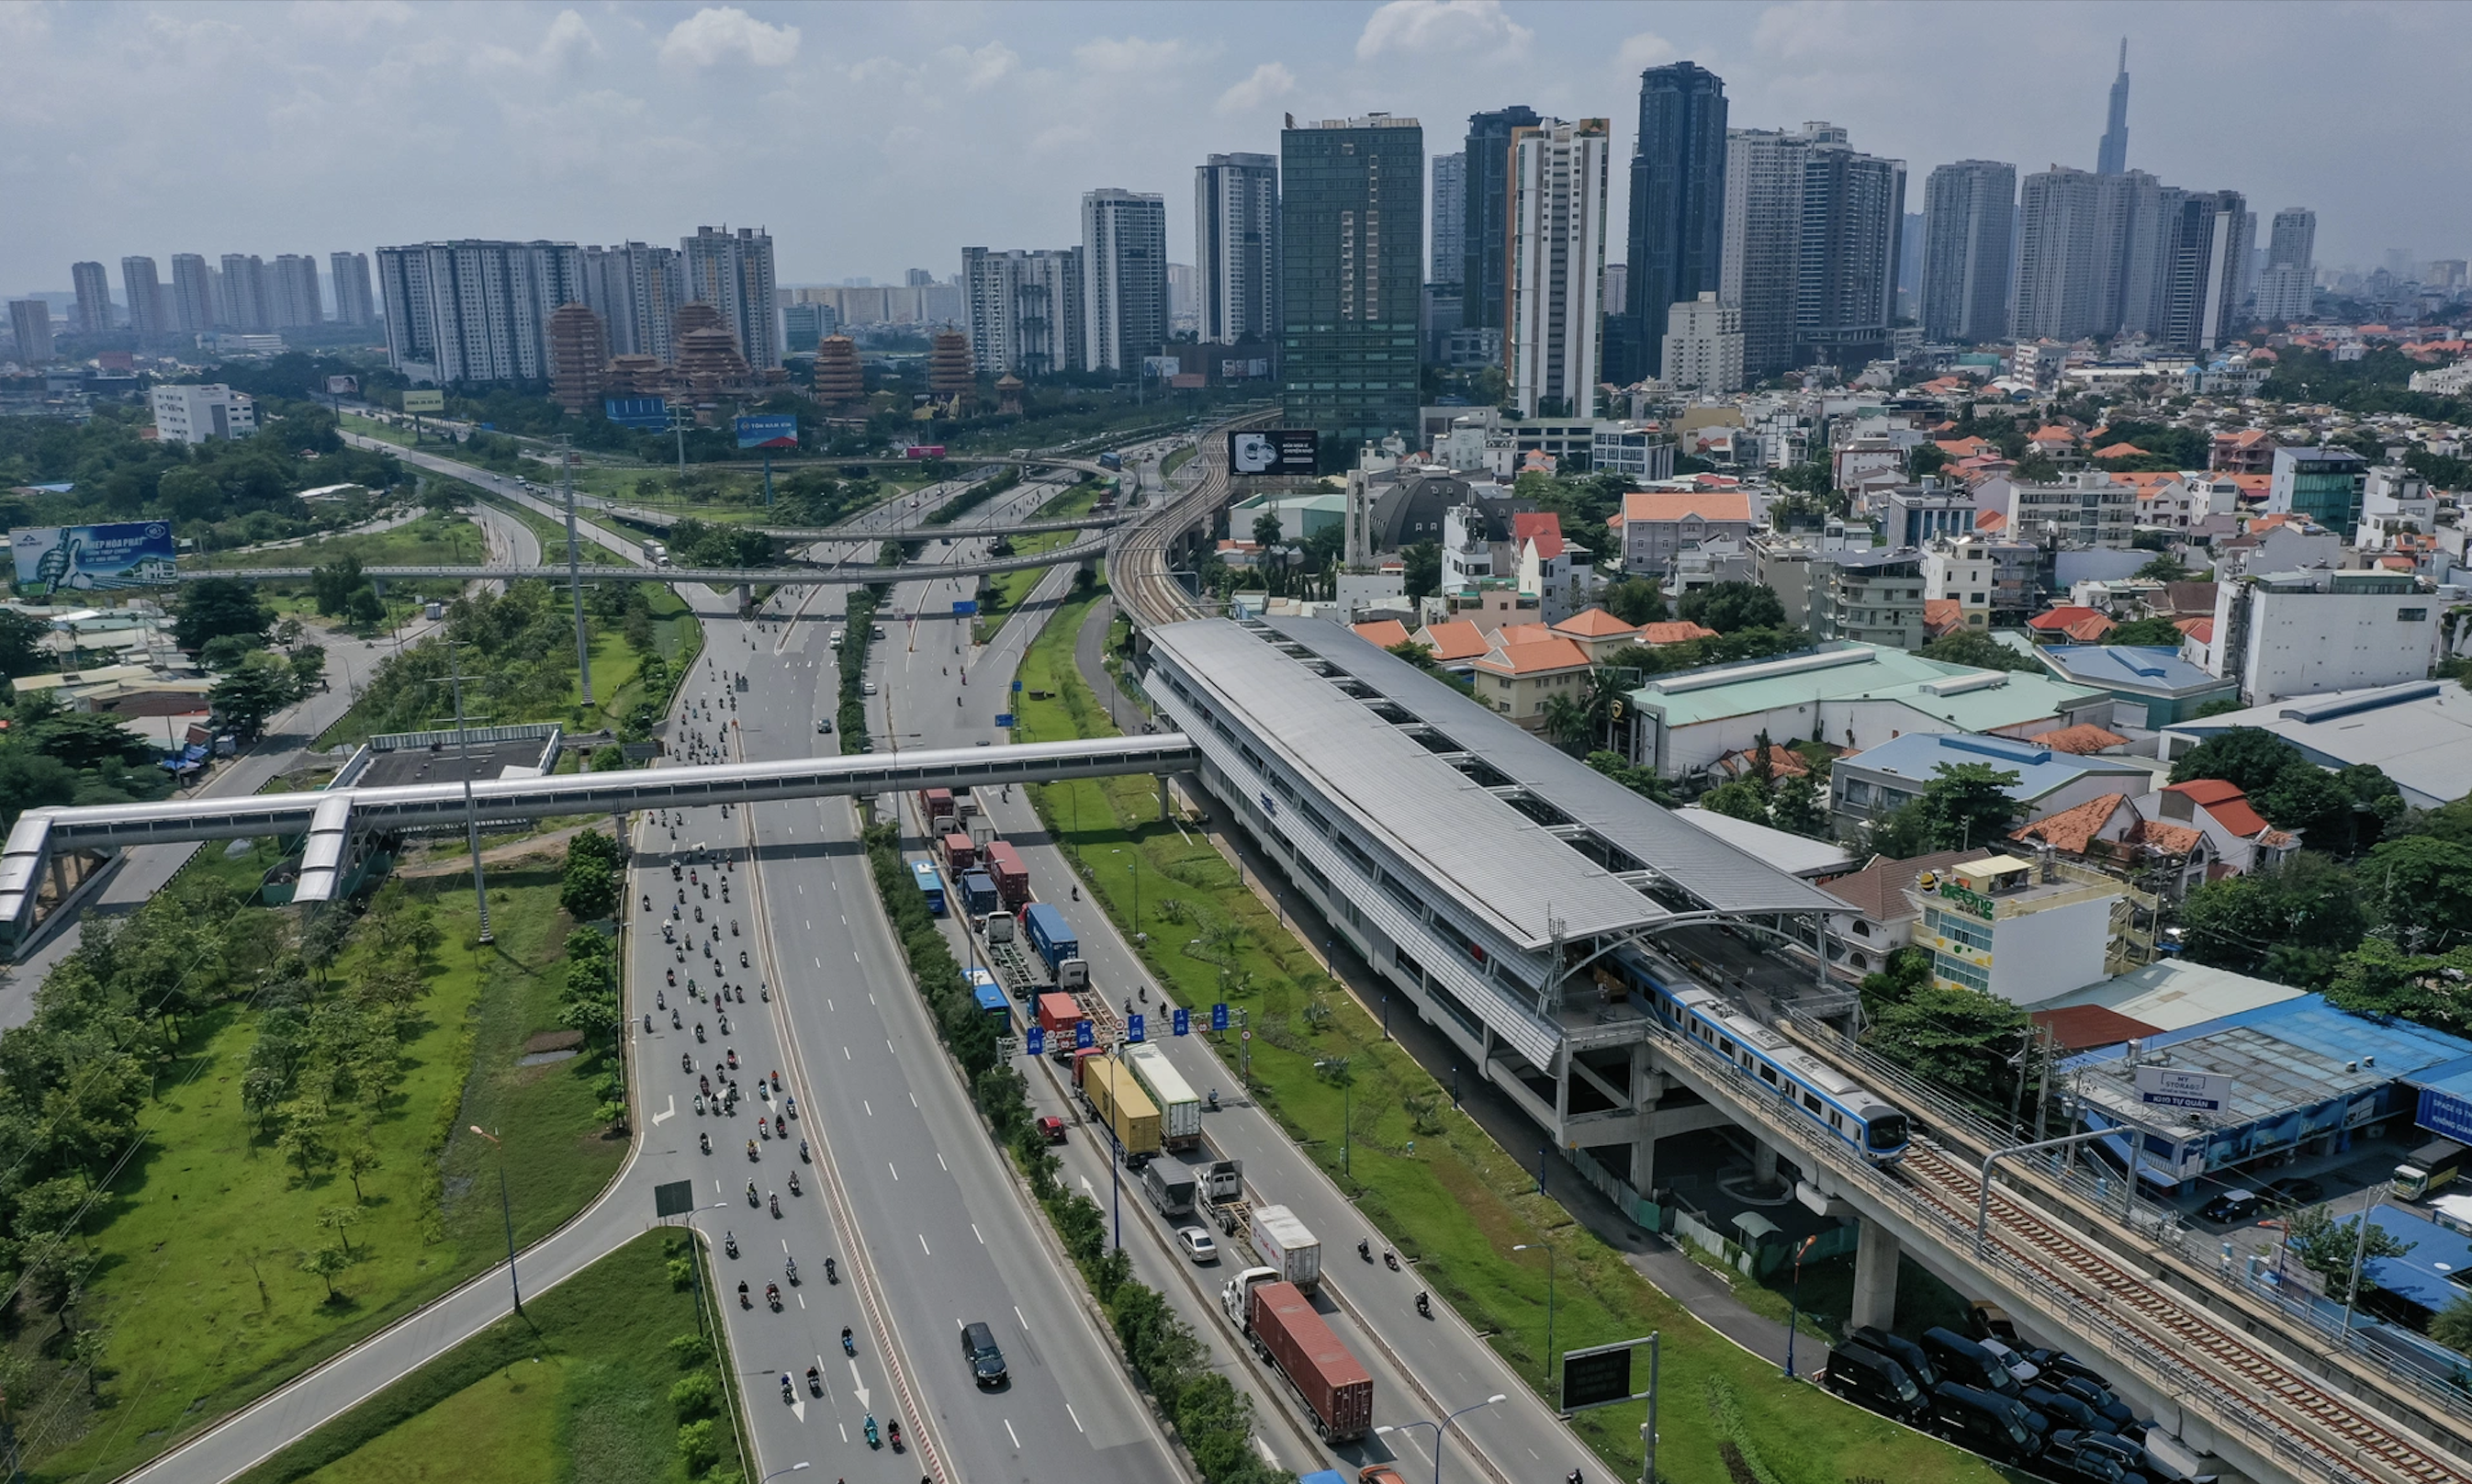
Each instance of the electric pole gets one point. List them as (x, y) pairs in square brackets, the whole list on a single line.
[(575, 564)]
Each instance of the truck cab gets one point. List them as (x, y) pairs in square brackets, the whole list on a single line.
[(1235, 1295)]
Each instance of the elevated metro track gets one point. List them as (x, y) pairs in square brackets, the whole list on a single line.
[(333, 819), (662, 520), (841, 575), (1139, 568)]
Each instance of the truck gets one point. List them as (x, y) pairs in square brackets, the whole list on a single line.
[(960, 855), (1179, 1110), (1111, 460), (2432, 1166), (1050, 936), (1115, 1099), (935, 807), (978, 894), (656, 554), (1169, 1185), (1018, 971), (1012, 877), (1279, 1321), (1286, 1244), (1058, 1016)]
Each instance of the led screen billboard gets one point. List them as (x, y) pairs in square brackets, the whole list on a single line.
[(424, 402), (1279, 451)]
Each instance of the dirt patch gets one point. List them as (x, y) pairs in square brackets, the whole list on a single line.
[(553, 1040)]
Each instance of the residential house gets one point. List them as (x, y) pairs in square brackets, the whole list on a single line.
[(1517, 679), (1561, 577), (2242, 839), (2087, 508), (2307, 632), (2249, 451), (1655, 524), (1862, 787), (2152, 688), (1456, 645), (1880, 915), (2029, 931), (1872, 597), (2114, 834)]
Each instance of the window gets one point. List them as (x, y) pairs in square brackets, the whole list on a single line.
[(2411, 615)]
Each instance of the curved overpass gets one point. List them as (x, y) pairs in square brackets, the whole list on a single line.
[(1138, 565)]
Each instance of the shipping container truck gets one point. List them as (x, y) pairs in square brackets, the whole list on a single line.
[(1012, 877), (1014, 967), (1169, 1185), (1286, 1244), (960, 855), (2432, 1167), (999, 925), (1292, 1340), (1051, 937), (935, 807), (1179, 1110), (979, 894), (1118, 1101), (1058, 1016)]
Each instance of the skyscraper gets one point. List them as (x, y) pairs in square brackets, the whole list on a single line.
[(93, 298), (1677, 200), (733, 273), (1969, 216), (144, 292), (1485, 240), (636, 290), (2282, 289), (1448, 203), (1236, 247), (247, 298), (2111, 155), (1123, 279), (193, 292), (475, 311), (1812, 233), (577, 354), (1352, 219), (1024, 310), (2074, 233), (29, 324), (298, 299), (1557, 261), (353, 303)]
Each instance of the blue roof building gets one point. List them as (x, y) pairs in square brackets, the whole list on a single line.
[(1869, 783), (2153, 679)]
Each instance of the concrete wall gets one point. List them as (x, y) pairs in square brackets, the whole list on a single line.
[(2308, 643), (2037, 955)]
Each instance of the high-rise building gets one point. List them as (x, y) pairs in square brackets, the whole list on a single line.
[(2181, 263), (1485, 236), (2283, 289), (1236, 247), (29, 324), (1812, 233), (1447, 201), (145, 293), (1024, 310), (577, 354), (298, 299), (804, 325), (1183, 299), (2072, 231), (733, 273), (1969, 217), (353, 301), (1677, 200), (1702, 346), (93, 298), (1352, 217), (1556, 260), (636, 290), (475, 311), (247, 299), (192, 293), (1123, 279), (2111, 155)]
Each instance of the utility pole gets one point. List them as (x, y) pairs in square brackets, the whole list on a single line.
[(574, 569), (471, 813)]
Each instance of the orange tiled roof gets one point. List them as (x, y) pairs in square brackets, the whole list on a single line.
[(1941, 614), (1784, 763), (1522, 634), (2053, 433), (1669, 505), (1541, 526), (2167, 837), (2201, 630), (1455, 642), (2090, 630), (1594, 624), (1383, 634), (1991, 520), (2226, 801), (2120, 451), (1675, 632), (2084, 739), (2055, 620), (2074, 830), (2084, 1028), (1535, 659), (2246, 438)]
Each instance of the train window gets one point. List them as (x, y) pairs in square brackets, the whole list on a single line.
[(1769, 1072), (1837, 1120), (1724, 1047), (1810, 1101)]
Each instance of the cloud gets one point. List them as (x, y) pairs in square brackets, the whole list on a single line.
[(1271, 80), (1423, 26), (1131, 55), (1642, 52), (713, 36), (568, 41), (982, 68)]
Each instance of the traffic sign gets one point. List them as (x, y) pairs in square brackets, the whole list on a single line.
[(1218, 1016), (1082, 1037), (1016, 687), (1036, 1039), (1183, 1021), (675, 1199), (1003, 718), (1247, 1035), (1133, 1031)]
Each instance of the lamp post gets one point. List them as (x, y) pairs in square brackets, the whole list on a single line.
[(778, 1473), (1549, 1256), (1793, 1305), (1441, 1429), (1136, 861), (2360, 1255), (507, 1211), (1336, 1068)]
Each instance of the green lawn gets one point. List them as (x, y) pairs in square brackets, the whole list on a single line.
[(577, 1390), (199, 1275), (434, 537), (1008, 591), (1433, 1181)]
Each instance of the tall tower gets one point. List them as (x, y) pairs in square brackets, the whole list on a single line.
[(1485, 237), (93, 298), (1124, 277), (1236, 247), (1449, 208), (1677, 200), (1556, 266), (734, 273), (2111, 157), (1969, 213), (145, 290), (1351, 272)]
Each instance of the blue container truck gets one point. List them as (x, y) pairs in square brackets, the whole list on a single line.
[(979, 893), (1051, 937)]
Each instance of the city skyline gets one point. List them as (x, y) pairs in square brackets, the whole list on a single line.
[(546, 116)]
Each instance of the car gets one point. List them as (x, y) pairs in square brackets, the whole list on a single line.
[(866, 687), (1378, 1473), (1196, 1244), (1052, 1129), (986, 1361), (2294, 1190), (2232, 1206), (835, 637), (875, 631), (823, 725)]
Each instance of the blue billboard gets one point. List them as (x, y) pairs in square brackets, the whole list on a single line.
[(768, 430), (649, 413), (90, 558)]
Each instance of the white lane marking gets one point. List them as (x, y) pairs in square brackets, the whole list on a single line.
[(819, 963), (922, 1243), (1076, 1416), (828, 1002), (941, 1165), (887, 1045), (671, 1112), (974, 1231), (896, 1174), (914, 1099), (802, 1301), (869, 1107), (845, 1056), (1009, 1433), (1024, 1322)]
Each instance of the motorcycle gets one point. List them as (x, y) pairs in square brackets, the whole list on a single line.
[(698, 1105), (752, 1155), (803, 1156), (686, 1061), (790, 1269), (780, 1128), (773, 1296), (742, 960), (753, 1199), (1391, 1260), (794, 1182), (791, 1103), (744, 1301), (763, 1131), (647, 901), (1424, 1305), (1214, 1100), (733, 921), (703, 1084), (832, 1273), (777, 1079), (731, 1056), (699, 1030), (1365, 1249), (789, 1393), (658, 998), (647, 1022), (893, 1431), (676, 1023), (849, 1347), (764, 991), (729, 1241), (741, 992), (871, 1430), (705, 1139), (1077, 892), (815, 1382), (776, 1205)]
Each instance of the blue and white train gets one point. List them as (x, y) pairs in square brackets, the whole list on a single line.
[(1868, 1125)]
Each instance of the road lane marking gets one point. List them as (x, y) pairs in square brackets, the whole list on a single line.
[(1009, 1433), (914, 1099), (922, 1243), (896, 1174), (845, 1056), (1024, 1322), (671, 1112), (974, 1231), (941, 1165), (1076, 1417), (869, 1107)]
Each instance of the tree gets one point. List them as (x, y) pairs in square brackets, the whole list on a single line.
[(2453, 1326), (87, 739), (590, 890), (323, 1264), (1797, 806), (2290, 924), (2379, 979), (216, 605), (2250, 759), (1976, 648), (2328, 1249), (2164, 569), (1635, 600), (1926, 459), (1567, 722), (1902, 834), (1741, 799), (1961, 1039), (334, 584), (2151, 632), (1726, 607), (247, 695), (1895, 981), (360, 1159), (1967, 805), (2420, 888), (226, 650), (21, 638), (1421, 656), (1265, 530), (340, 1220), (309, 667), (1423, 564), (1646, 782)]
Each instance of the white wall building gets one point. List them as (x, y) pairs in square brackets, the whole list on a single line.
[(1123, 279), (1960, 571), (1024, 310), (474, 311), (195, 415), (1236, 247), (1557, 266), (1704, 345), (2307, 632), (733, 273)]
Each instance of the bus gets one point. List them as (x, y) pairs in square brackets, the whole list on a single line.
[(930, 885)]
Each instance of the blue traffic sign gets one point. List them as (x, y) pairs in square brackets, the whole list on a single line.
[(1016, 687), (1183, 1021), (1218, 1016), (1036, 1040), (1084, 1038), (1003, 718), (1133, 1031)]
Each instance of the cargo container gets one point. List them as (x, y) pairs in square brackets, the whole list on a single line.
[(1051, 937), (1169, 1185), (960, 855), (1286, 1244), (1012, 877), (1179, 1110), (1057, 1014), (935, 806), (1119, 1102), (1292, 1340), (979, 894)]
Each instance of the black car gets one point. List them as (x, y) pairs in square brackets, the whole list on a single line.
[(2232, 1206), (2065, 1461), (2057, 1363), (1904, 1351), (1985, 1422), (986, 1361), (2295, 1191), (2104, 1404), (1866, 1377), (2065, 1410), (1960, 1359)]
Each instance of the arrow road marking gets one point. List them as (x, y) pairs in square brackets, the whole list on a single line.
[(663, 1117), (858, 1386)]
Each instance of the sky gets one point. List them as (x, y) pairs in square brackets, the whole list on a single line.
[(872, 138)]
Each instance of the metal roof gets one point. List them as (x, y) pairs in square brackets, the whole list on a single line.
[(1722, 876), (1918, 755), (2138, 667), (2419, 732), (1966, 698)]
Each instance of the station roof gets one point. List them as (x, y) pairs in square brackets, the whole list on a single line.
[(1965, 698)]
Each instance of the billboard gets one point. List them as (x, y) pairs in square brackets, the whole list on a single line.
[(923, 451), (1160, 367), (424, 402), (649, 413), (768, 430), (2177, 1087), (89, 558), (1279, 451), (343, 386)]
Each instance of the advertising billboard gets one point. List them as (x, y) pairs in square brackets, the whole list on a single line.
[(923, 451), (2175, 1087), (1279, 451), (649, 413), (768, 430), (424, 402), (1159, 368), (343, 386), (92, 558)]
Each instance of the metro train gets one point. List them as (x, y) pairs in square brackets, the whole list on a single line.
[(1869, 1125)]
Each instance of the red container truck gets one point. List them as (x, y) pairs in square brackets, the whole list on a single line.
[(1285, 1330), (960, 855), (936, 805), (1012, 878), (1058, 1016)]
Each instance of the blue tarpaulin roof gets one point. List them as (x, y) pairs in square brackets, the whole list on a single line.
[(2428, 1273)]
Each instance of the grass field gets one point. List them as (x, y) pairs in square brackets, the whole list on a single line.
[(577, 1390), (199, 1275), (1008, 590), (434, 538), (1429, 1176)]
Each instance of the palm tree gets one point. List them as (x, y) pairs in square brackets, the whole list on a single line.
[(1567, 722)]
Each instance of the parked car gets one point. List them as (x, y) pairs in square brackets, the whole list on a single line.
[(1868, 1378), (2293, 1191), (2064, 1410), (2232, 1206), (1989, 1423), (1964, 1362), (1904, 1351)]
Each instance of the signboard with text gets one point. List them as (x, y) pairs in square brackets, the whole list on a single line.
[(768, 430), (424, 402), (1036, 1039), (91, 559), (1285, 451), (2180, 1087), (649, 414)]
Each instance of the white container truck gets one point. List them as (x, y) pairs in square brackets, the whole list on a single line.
[(1179, 1110), (1287, 1245)]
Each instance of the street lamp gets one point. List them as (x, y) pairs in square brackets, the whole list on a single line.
[(1336, 1068), (778, 1473), (1793, 1305), (1549, 1256), (507, 1211), (1441, 1429)]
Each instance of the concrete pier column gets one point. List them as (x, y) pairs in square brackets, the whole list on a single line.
[(745, 598), (1764, 1166), (1875, 1277)]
